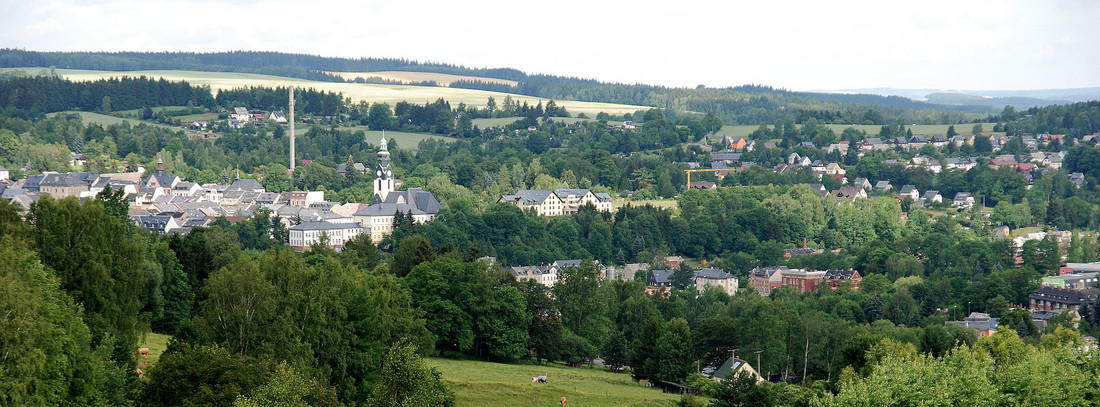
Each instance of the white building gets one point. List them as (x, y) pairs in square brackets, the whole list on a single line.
[(561, 201), (715, 277), (306, 234)]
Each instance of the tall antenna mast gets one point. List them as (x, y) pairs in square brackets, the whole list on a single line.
[(291, 127)]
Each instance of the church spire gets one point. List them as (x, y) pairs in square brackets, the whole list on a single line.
[(383, 175)]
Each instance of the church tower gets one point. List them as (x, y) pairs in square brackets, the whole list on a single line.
[(383, 176)]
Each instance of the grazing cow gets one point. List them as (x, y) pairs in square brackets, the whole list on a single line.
[(140, 373), (143, 363), (540, 379), (143, 351)]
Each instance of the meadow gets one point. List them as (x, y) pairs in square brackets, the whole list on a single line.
[(481, 384), (356, 91), (405, 141), (106, 120)]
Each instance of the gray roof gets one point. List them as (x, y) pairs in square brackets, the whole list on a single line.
[(603, 196), (322, 225), (713, 273), (660, 277), (560, 192), (528, 196), (414, 200), (246, 184)]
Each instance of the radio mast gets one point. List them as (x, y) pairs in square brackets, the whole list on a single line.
[(292, 128)]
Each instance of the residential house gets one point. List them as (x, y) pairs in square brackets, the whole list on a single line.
[(4, 174), (849, 192), (674, 262), (1077, 179), (801, 251), (835, 170), (278, 116), (932, 196), (963, 200), (660, 278), (241, 115), (863, 183), (799, 161), (157, 224), (730, 369), (1006, 160), (883, 186), (304, 199), (66, 185), (714, 277), (186, 189), (910, 191), (702, 185)]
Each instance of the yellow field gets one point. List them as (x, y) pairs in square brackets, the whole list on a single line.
[(440, 78), (356, 91)]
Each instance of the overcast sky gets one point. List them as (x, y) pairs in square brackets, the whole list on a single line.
[(800, 45)]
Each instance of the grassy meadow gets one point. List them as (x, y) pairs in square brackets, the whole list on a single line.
[(481, 384), (156, 343), (356, 91), (105, 120)]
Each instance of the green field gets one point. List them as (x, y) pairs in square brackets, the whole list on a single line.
[(356, 91), (920, 129), (105, 120), (405, 141), (485, 384)]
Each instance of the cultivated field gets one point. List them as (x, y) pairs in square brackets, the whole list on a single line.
[(440, 78), (920, 129), (481, 384), (356, 91)]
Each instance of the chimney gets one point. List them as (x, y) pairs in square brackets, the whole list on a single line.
[(803, 243)]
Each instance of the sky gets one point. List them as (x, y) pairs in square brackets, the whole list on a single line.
[(797, 45)]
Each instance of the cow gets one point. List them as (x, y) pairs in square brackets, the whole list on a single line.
[(143, 351), (539, 379)]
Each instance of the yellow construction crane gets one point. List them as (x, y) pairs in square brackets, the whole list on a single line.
[(714, 170)]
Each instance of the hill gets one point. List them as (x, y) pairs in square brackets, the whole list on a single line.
[(740, 105), (480, 384), (391, 94)]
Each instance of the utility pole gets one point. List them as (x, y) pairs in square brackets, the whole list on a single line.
[(292, 128)]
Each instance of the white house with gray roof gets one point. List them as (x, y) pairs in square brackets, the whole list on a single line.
[(714, 277), (305, 234)]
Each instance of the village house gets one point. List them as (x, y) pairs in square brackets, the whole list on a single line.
[(963, 200), (561, 201), (979, 321)]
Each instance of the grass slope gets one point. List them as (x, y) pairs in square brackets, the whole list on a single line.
[(485, 384), (105, 120), (356, 91), (156, 343)]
